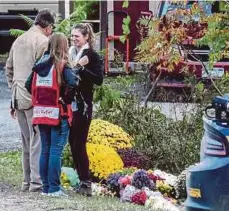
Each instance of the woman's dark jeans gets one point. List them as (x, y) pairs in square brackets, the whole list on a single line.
[(77, 140), (53, 140)]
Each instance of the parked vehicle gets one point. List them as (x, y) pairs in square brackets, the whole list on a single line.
[(208, 182)]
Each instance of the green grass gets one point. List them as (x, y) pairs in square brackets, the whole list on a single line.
[(11, 174), (94, 203), (11, 168)]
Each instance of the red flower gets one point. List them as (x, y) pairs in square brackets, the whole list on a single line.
[(139, 198), (124, 181), (154, 177)]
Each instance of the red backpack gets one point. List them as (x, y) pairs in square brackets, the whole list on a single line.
[(48, 108)]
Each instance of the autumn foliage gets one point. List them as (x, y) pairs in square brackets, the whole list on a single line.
[(179, 27)]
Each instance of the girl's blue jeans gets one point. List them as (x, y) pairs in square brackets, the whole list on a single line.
[(53, 141)]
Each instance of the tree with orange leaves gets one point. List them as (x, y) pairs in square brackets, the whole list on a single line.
[(170, 34)]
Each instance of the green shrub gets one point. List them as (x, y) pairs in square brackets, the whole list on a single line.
[(170, 145), (67, 160), (106, 96)]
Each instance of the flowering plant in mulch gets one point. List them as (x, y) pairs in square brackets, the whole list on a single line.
[(101, 190), (127, 192), (165, 188), (141, 179), (134, 158), (108, 134), (168, 178), (113, 183), (104, 160), (139, 198), (142, 187), (124, 181), (153, 176), (160, 204)]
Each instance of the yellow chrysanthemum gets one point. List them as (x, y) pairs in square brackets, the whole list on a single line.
[(108, 134), (104, 160)]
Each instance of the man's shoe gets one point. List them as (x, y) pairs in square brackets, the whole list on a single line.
[(38, 189), (35, 187), (85, 188), (24, 187)]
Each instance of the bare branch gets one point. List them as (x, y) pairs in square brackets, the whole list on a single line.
[(193, 55), (152, 89)]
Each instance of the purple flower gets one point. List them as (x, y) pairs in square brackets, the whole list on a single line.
[(141, 179)]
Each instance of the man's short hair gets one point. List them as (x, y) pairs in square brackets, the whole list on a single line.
[(44, 18)]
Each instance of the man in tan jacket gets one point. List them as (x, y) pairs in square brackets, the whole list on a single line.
[(24, 52)]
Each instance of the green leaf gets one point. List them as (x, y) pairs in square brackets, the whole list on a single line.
[(126, 20), (126, 30), (28, 20), (16, 32), (125, 4), (122, 38)]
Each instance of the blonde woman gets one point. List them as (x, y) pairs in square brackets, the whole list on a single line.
[(53, 89), (88, 64)]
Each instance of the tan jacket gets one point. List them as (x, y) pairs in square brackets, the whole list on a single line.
[(24, 52)]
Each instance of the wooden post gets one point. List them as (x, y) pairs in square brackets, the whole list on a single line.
[(103, 23)]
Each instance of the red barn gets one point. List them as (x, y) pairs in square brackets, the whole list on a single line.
[(112, 14)]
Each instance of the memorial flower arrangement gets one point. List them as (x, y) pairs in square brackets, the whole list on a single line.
[(142, 187)]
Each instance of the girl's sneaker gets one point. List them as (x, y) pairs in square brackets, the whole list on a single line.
[(44, 194), (59, 193)]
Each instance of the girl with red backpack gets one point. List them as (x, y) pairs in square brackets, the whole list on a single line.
[(53, 89)]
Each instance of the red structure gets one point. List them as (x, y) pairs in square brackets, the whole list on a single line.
[(110, 38), (134, 11), (112, 25)]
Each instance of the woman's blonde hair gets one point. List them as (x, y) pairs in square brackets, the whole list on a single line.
[(58, 47), (86, 29)]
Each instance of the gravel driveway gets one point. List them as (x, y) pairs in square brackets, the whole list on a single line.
[(10, 138)]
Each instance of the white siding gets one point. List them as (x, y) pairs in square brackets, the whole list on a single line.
[(153, 6), (6, 5), (110, 7)]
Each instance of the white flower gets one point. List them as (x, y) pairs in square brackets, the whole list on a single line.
[(96, 189), (169, 178), (158, 203), (151, 193), (128, 192)]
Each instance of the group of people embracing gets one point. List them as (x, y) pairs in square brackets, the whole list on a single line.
[(52, 94)]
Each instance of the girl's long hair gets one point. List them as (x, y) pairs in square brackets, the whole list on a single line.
[(58, 47)]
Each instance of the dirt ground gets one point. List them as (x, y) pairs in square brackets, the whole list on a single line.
[(12, 199)]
